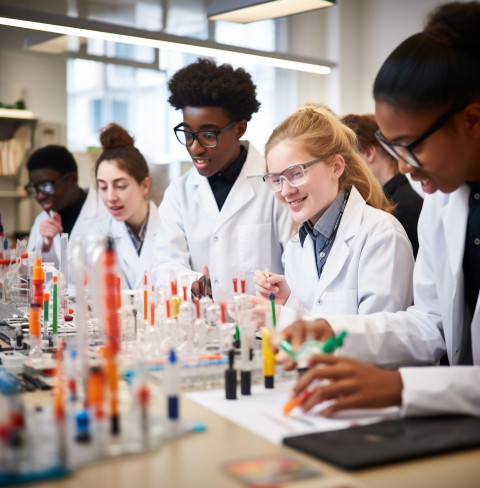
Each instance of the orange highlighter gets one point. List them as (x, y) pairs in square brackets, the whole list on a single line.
[(296, 401)]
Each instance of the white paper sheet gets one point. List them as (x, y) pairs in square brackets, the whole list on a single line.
[(262, 413)]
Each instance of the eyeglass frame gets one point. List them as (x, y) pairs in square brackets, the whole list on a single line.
[(304, 167), (412, 159), (177, 129), (29, 187)]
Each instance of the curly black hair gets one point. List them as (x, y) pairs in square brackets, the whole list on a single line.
[(204, 84)]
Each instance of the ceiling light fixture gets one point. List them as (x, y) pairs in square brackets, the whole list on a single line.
[(74, 26), (245, 11)]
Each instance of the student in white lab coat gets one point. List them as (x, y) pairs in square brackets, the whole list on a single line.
[(67, 208), (220, 213), (349, 255), (430, 119), (123, 183)]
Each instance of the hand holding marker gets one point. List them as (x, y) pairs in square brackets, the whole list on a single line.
[(302, 354)]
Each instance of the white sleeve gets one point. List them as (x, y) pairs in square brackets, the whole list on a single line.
[(441, 390), (35, 240), (414, 337), (170, 250)]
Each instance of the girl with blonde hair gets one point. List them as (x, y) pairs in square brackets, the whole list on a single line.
[(347, 254)]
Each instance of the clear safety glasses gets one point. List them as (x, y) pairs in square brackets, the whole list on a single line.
[(295, 175)]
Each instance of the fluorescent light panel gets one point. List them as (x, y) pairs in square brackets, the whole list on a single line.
[(245, 11), (174, 43)]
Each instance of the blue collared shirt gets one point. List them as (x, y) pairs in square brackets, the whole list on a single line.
[(322, 230), (138, 240)]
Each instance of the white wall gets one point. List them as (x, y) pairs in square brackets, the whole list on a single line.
[(358, 35)]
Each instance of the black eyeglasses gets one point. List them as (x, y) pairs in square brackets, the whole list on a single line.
[(206, 138), (405, 151), (45, 187), (295, 175)]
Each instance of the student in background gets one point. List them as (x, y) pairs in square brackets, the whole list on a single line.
[(67, 208), (427, 96), (385, 168), (219, 214), (349, 256), (123, 184)]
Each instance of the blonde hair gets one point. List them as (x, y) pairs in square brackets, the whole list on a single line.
[(316, 129)]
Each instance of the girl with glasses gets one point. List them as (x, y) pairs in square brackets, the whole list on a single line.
[(417, 92), (123, 183), (348, 255)]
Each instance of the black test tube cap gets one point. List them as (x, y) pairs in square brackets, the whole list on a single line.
[(245, 382), (231, 378)]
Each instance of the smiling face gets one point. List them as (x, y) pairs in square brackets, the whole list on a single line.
[(66, 189), (449, 156), (209, 161), (122, 194), (309, 200)]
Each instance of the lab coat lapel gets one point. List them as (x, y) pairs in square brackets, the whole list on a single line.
[(145, 260), (348, 227), (126, 251), (242, 191), (454, 220), (202, 194)]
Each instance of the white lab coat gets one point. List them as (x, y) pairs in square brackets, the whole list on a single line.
[(423, 333), (132, 266), (249, 233), (369, 268), (92, 211)]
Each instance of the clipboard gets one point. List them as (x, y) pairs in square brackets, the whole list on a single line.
[(390, 441)]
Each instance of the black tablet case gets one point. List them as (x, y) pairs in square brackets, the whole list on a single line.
[(390, 441)]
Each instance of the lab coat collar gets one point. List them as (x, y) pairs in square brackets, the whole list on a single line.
[(242, 192), (347, 229), (126, 250), (454, 218), (454, 214)]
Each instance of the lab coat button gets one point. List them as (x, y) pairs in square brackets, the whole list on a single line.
[(319, 301), (215, 238), (476, 241), (216, 282)]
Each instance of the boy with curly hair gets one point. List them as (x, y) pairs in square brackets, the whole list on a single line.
[(219, 218)]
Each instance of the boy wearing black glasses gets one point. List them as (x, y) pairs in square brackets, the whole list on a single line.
[(220, 213), (67, 208)]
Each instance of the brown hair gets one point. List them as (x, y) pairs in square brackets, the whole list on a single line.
[(117, 144), (365, 127), (317, 129)]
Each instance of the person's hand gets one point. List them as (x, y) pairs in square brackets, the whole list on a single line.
[(268, 283), (352, 384), (260, 308), (49, 228), (297, 333), (202, 287)]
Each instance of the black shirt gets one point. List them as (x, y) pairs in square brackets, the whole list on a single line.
[(409, 205), (471, 258), (222, 182), (70, 214)]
